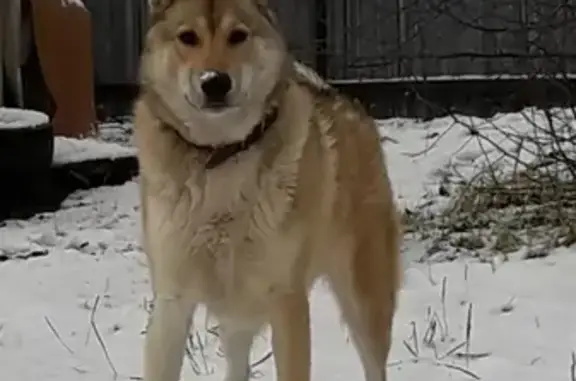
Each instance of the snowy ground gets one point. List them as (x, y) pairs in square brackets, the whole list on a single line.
[(73, 293)]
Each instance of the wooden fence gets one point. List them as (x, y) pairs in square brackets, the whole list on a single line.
[(349, 40), (405, 38), (118, 30)]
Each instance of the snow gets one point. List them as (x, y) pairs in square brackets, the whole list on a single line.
[(21, 118), (88, 276), (72, 150), (445, 147), (75, 3), (447, 78), (113, 145)]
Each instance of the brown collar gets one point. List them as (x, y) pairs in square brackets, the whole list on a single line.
[(219, 154)]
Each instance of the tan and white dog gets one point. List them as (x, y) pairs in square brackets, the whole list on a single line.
[(256, 179)]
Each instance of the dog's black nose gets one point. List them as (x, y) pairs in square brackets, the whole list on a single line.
[(215, 85)]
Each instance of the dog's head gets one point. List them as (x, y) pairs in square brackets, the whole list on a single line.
[(213, 63)]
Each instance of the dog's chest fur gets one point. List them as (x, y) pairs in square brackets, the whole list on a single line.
[(225, 229)]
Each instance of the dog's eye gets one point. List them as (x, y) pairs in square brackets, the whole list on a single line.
[(237, 37), (189, 38)]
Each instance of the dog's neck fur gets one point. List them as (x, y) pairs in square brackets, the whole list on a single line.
[(219, 154)]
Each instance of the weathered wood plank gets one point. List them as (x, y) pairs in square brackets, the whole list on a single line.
[(298, 22), (118, 32)]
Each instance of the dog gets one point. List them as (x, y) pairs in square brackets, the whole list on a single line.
[(257, 179)]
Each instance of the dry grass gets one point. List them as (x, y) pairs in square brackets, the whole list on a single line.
[(437, 335), (524, 197)]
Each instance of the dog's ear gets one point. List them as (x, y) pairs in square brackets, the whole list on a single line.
[(266, 11), (158, 6)]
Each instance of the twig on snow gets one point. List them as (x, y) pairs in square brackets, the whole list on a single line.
[(99, 337), (57, 335)]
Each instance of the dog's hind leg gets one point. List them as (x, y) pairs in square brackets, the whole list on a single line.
[(365, 288), (290, 323), (166, 336), (369, 320)]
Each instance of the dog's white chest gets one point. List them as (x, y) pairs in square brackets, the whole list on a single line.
[(223, 233), (236, 272)]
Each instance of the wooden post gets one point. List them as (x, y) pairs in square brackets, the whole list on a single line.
[(63, 35)]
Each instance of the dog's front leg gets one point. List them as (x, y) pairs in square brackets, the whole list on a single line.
[(237, 343), (290, 323), (166, 336)]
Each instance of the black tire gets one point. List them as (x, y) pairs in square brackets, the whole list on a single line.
[(27, 148), (26, 154)]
